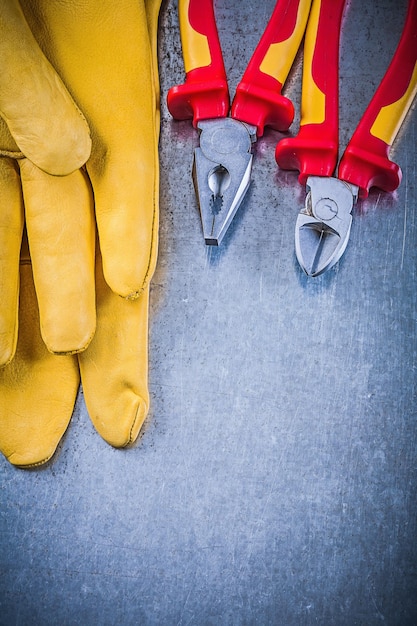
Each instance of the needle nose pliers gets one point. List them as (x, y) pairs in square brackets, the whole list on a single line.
[(223, 161)]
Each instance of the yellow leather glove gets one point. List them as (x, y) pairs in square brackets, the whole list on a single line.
[(37, 389)]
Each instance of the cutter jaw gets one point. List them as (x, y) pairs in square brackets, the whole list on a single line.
[(221, 172), (323, 226)]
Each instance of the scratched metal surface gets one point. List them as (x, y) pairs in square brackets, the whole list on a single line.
[(275, 479)]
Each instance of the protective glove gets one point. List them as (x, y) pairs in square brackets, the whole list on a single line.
[(114, 367)]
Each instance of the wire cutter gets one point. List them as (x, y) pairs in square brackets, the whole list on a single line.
[(323, 225), (223, 161)]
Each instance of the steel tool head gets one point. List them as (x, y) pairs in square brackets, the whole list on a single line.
[(323, 226), (222, 168)]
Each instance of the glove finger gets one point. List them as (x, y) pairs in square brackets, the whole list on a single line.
[(101, 49), (11, 227), (114, 368), (119, 415), (127, 222), (61, 232), (41, 115), (37, 389), (125, 179)]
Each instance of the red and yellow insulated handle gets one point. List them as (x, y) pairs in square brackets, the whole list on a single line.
[(205, 93), (314, 151), (258, 98), (365, 161)]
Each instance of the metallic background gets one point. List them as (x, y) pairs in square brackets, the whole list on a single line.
[(275, 479)]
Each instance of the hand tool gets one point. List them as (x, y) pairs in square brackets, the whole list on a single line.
[(323, 225), (223, 161)]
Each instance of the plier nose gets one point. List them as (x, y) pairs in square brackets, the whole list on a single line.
[(221, 172), (323, 227)]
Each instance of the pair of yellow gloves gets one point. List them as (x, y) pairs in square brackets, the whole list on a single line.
[(79, 128)]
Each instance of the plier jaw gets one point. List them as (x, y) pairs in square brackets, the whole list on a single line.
[(221, 172), (323, 226)]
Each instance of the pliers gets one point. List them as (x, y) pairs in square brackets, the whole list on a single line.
[(323, 225), (223, 161)]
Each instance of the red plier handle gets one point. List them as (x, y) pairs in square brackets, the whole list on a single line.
[(314, 151), (365, 161), (258, 101), (258, 98), (205, 93)]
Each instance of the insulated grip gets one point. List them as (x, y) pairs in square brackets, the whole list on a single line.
[(314, 151), (365, 162), (204, 94), (258, 98)]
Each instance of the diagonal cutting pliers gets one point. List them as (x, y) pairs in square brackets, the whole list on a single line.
[(223, 161), (323, 225)]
